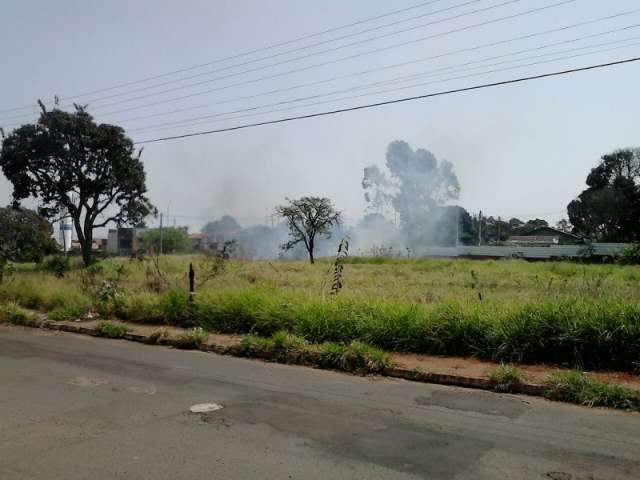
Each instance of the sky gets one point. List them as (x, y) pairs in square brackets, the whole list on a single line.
[(520, 150)]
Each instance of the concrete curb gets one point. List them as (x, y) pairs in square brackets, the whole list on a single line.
[(309, 360)]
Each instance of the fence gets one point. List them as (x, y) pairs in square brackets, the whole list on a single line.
[(487, 251)]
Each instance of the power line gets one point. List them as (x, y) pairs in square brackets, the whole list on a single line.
[(378, 92), (368, 71), (400, 100), (403, 78), (361, 54), (238, 55), (305, 47)]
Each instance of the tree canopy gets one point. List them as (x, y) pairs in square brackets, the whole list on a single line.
[(609, 209), (226, 224), (417, 185), (75, 166), (24, 236), (174, 240), (308, 219)]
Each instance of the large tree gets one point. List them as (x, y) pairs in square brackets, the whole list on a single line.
[(417, 186), (74, 166), (609, 209), (24, 237), (308, 219), (226, 224)]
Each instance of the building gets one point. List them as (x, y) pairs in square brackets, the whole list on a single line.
[(125, 241), (544, 237)]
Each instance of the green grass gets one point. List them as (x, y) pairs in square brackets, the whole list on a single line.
[(576, 387), (107, 328), (282, 346), (585, 316), (12, 313), (506, 377)]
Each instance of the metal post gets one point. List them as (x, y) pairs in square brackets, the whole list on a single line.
[(192, 288), (160, 249)]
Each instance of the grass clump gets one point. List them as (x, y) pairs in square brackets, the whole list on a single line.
[(506, 377), (289, 348), (12, 313), (191, 339), (109, 329), (576, 387), (354, 357), (158, 336)]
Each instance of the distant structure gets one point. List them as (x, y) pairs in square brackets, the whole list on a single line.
[(125, 241), (544, 237), (66, 230)]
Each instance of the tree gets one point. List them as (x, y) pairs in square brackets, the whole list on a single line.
[(609, 209), (24, 237), (308, 219), (77, 167), (173, 240), (564, 226), (418, 184), (226, 224)]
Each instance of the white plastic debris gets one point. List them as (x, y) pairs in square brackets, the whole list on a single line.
[(204, 407)]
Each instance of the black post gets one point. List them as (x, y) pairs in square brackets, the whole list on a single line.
[(192, 288)]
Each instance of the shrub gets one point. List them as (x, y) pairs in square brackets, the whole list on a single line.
[(576, 387), (59, 265), (107, 328), (630, 255)]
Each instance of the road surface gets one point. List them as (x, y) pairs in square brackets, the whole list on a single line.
[(76, 407)]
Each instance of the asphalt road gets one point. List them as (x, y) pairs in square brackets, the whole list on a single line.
[(76, 407)]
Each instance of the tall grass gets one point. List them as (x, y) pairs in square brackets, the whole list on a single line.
[(563, 313)]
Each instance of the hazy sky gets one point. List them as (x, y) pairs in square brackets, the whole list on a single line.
[(518, 150)]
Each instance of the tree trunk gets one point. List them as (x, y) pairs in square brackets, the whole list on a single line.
[(310, 249), (87, 252)]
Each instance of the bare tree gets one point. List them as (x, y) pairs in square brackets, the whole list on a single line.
[(308, 218)]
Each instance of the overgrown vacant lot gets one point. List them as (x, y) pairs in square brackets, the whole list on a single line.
[(565, 313)]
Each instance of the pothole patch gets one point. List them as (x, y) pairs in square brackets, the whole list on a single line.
[(87, 382), (205, 407), (143, 390)]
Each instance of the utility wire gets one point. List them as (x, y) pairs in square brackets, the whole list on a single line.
[(399, 100), (429, 73), (379, 92), (413, 41), (304, 47), (363, 72), (243, 54)]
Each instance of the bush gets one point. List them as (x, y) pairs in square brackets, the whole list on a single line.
[(59, 265), (630, 255), (111, 329)]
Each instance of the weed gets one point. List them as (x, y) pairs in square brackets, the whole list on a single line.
[(506, 377), (11, 313), (191, 339), (107, 328), (158, 336), (576, 387), (338, 266)]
